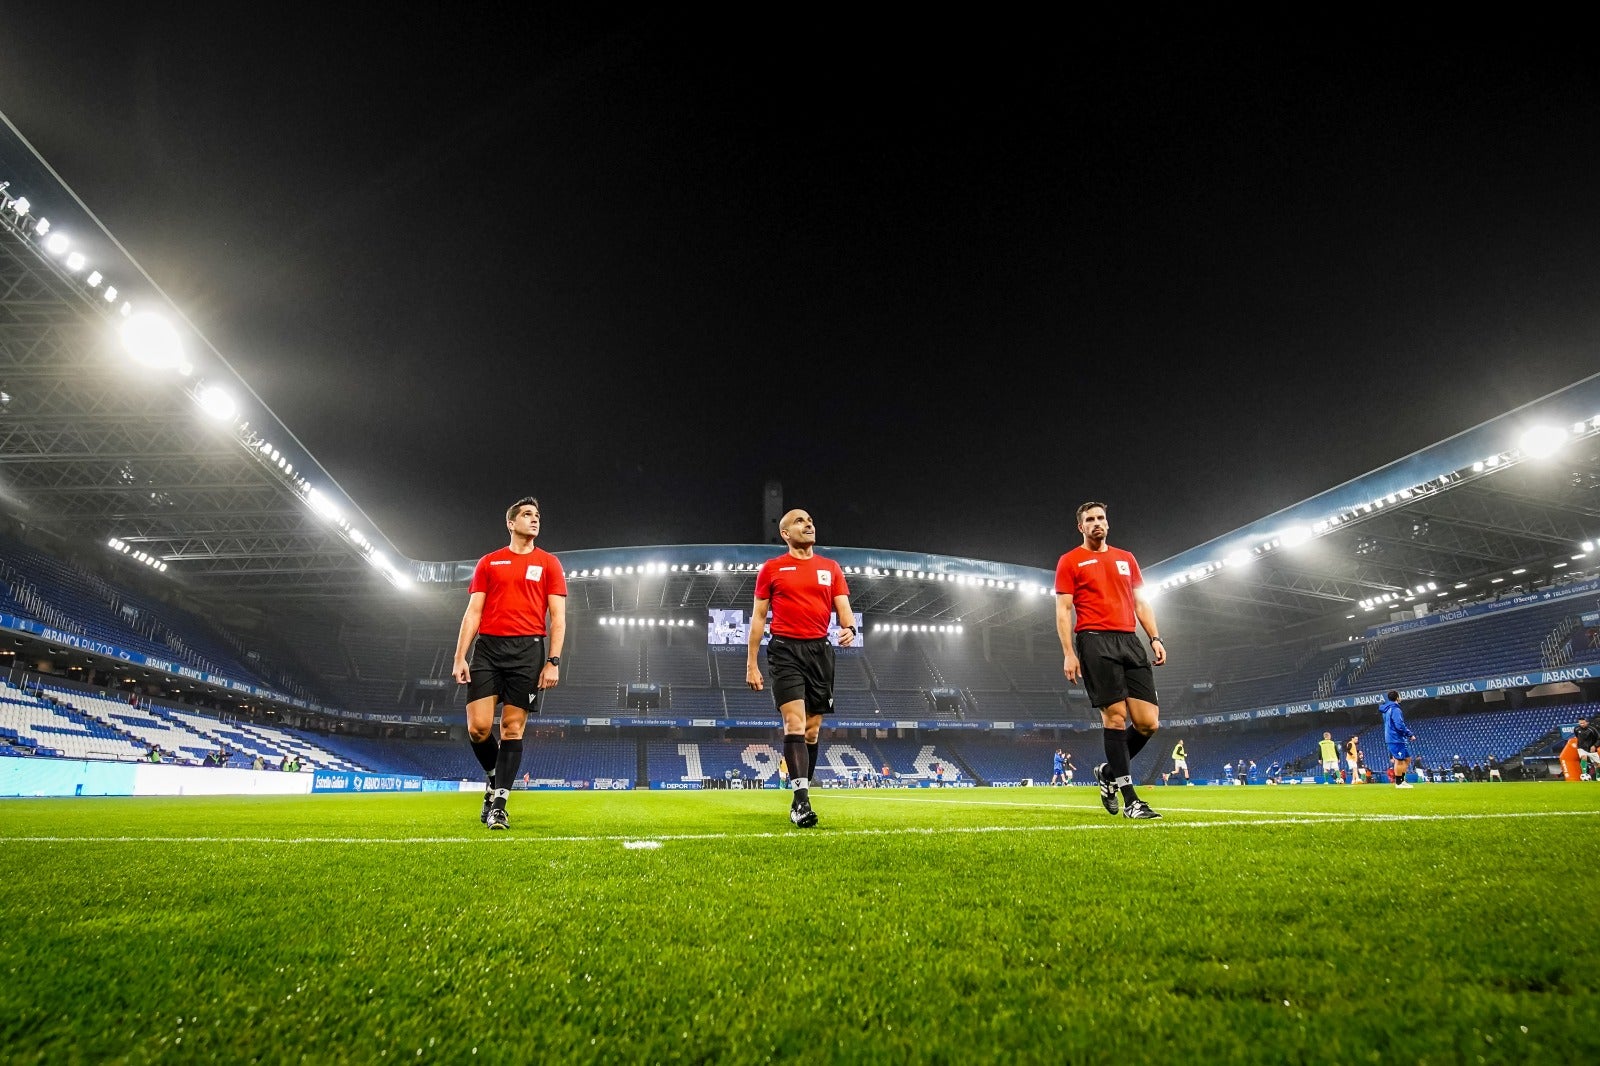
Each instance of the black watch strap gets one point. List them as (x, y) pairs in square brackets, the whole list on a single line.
[(554, 660)]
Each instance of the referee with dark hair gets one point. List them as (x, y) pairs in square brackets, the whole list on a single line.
[(514, 593), (803, 590), (1098, 604)]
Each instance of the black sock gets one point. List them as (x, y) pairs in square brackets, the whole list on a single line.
[(505, 767), (488, 752), (811, 760), (795, 754), (1117, 761), (1136, 742)]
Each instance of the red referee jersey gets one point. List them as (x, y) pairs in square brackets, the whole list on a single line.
[(517, 591), (1101, 585), (801, 592)]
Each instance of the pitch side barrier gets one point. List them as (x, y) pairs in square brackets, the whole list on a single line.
[(21, 776)]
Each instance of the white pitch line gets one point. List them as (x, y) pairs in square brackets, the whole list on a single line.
[(498, 839), (1086, 806)]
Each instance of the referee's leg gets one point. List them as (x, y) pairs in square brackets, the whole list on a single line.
[(795, 753), (513, 722)]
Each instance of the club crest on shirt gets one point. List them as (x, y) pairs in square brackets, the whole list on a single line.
[(1122, 568), (535, 572), (824, 577)]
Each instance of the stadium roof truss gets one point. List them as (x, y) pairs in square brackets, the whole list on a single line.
[(96, 447), (1512, 502)]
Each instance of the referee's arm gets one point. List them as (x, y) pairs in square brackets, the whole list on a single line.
[(469, 629), (758, 628), (1066, 620), (550, 673), (1147, 618), (847, 620)]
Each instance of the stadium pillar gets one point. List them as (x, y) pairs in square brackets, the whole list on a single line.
[(771, 512)]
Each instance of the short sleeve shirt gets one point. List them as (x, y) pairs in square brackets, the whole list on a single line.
[(1101, 585), (801, 593), (517, 591)]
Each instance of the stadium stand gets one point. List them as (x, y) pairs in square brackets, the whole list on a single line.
[(55, 592), (49, 727), (997, 675), (841, 761)]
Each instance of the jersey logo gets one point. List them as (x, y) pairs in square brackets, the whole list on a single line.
[(1122, 568), (781, 569), (499, 562), (535, 572), (824, 577), (1089, 562)]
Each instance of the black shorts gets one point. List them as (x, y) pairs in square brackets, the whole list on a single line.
[(507, 667), (1115, 667), (802, 669)]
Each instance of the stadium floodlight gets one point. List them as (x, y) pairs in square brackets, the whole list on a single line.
[(1461, 584), (76, 261), (152, 341), (1239, 558), (56, 244), (1519, 570), (20, 205), (1541, 442), (94, 279), (1558, 566), (216, 402), (111, 294), (324, 508), (1294, 535), (1587, 545), (43, 227)]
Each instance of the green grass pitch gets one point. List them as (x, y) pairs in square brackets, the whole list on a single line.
[(1447, 923)]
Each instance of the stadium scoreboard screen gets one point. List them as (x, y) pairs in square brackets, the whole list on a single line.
[(731, 625)]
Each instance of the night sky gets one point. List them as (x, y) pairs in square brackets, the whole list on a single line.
[(943, 280)]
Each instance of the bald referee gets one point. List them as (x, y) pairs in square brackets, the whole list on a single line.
[(1098, 604), (803, 591)]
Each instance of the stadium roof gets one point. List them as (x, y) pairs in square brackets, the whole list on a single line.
[(174, 460)]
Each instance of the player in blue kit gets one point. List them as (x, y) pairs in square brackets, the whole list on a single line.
[(1398, 736)]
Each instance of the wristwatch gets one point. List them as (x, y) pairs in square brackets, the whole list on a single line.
[(554, 660)]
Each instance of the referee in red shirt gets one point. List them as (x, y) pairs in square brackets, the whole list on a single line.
[(513, 591), (1097, 605), (803, 591)]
